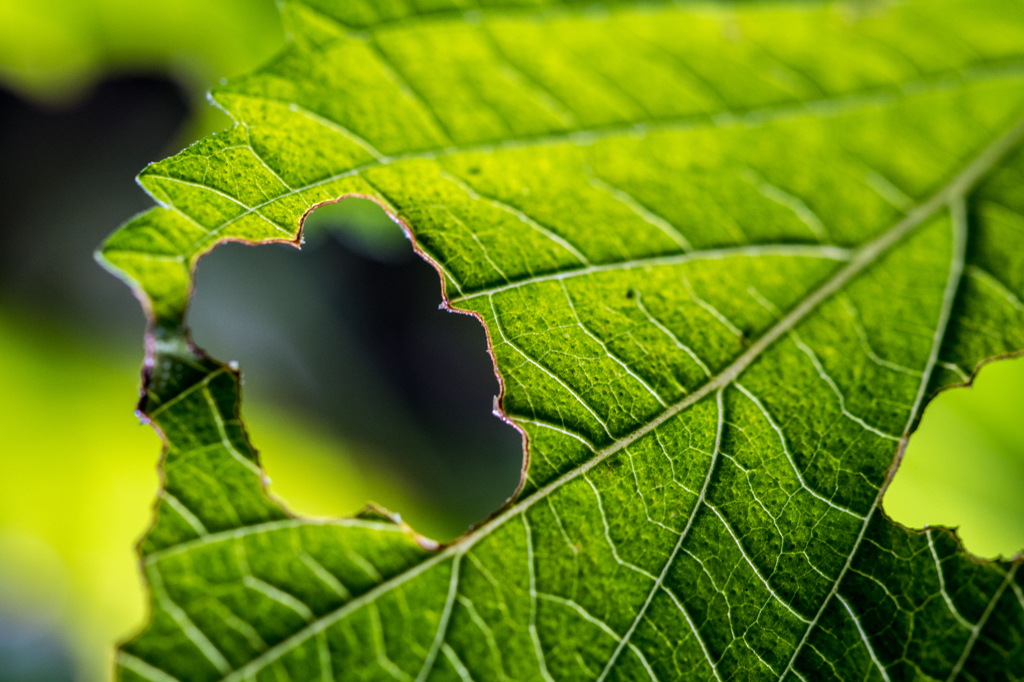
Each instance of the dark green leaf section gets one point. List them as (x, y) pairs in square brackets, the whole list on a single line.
[(723, 257)]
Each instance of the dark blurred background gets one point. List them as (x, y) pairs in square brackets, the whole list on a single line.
[(357, 387)]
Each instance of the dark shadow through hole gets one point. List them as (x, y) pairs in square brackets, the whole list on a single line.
[(348, 332), (964, 465), (66, 180)]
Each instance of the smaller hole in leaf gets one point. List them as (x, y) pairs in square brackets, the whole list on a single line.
[(964, 465)]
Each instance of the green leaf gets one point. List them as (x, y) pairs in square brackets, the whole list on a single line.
[(723, 256)]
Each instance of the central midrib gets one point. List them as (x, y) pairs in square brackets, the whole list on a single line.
[(862, 258)]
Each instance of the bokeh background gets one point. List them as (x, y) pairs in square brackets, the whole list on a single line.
[(357, 387)]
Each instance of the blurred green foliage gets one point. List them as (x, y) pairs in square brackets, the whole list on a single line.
[(53, 50), (78, 475)]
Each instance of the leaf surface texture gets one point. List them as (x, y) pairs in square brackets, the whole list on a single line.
[(723, 257)]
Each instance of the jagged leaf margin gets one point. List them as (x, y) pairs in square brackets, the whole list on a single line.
[(723, 257)]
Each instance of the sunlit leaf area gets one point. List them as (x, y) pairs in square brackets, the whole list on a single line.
[(358, 386)]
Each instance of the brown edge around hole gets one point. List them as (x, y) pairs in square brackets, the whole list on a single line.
[(426, 543)]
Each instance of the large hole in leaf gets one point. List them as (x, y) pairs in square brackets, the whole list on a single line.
[(345, 338), (964, 466)]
